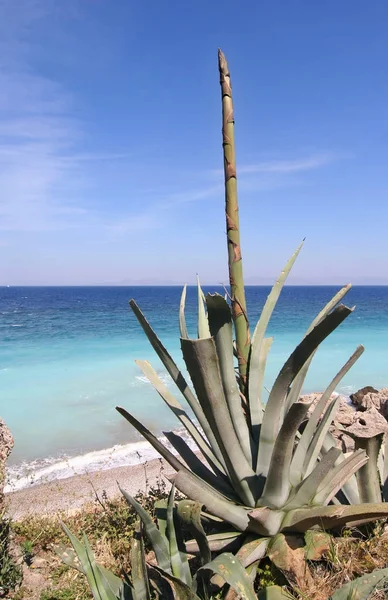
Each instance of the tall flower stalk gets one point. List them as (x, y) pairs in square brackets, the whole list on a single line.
[(239, 309)]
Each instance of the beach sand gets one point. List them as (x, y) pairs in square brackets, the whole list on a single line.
[(70, 494)]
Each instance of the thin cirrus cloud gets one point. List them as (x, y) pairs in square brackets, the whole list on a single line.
[(44, 177), (261, 176)]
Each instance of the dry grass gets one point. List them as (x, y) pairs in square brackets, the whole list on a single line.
[(109, 526)]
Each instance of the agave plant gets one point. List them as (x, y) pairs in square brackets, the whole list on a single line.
[(254, 468), (169, 577)]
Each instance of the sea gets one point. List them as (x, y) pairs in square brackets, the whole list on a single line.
[(67, 359)]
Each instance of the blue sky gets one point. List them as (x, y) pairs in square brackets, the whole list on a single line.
[(110, 142)]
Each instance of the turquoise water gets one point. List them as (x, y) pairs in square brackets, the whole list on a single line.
[(67, 357)]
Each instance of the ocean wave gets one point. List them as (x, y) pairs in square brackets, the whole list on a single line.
[(50, 469), (142, 379)]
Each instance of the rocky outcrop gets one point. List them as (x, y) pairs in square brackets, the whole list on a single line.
[(6, 445), (364, 416), (369, 397)]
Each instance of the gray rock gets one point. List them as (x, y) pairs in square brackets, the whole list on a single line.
[(6, 445)]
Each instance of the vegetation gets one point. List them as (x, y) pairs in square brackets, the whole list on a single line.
[(258, 471), (110, 526), (10, 572)]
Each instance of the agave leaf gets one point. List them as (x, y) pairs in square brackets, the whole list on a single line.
[(384, 468), (361, 588), (203, 365), (315, 447), (333, 481), (178, 379), (253, 550), (179, 563), (198, 491), (299, 379), (349, 489), (101, 587), (182, 319), (272, 418), (297, 471), (368, 476), (153, 534), (274, 592), (233, 573), (220, 322), (203, 325), (178, 411), (256, 407), (333, 517), (256, 355), (277, 486), (179, 589), (308, 488), (197, 466), (138, 566), (190, 513), (160, 507), (228, 541), (152, 439)]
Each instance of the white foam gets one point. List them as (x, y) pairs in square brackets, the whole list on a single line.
[(47, 470)]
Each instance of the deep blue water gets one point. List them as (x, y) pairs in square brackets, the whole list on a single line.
[(67, 357)]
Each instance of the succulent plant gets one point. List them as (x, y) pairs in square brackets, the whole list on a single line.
[(255, 469), (168, 577)]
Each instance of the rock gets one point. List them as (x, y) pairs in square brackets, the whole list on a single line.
[(39, 563), (357, 397), (365, 417), (6, 445), (368, 424), (364, 400)]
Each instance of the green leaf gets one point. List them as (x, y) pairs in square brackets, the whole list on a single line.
[(190, 514), (103, 587), (152, 439), (273, 415), (228, 541), (179, 589), (278, 486), (368, 480), (333, 517), (178, 411), (301, 465), (219, 483), (203, 325), (138, 566), (179, 563), (182, 319), (256, 406), (253, 550), (308, 488), (334, 480), (220, 322), (274, 592), (202, 363), (361, 588), (256, 356), (233, 573), (299, 379), (178, 379), (197, 490), (160, 507), (153, 534)]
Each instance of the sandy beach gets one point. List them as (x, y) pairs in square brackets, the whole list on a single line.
[(71, 493)]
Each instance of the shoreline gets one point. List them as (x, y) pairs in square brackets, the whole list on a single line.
[(70, 494)]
